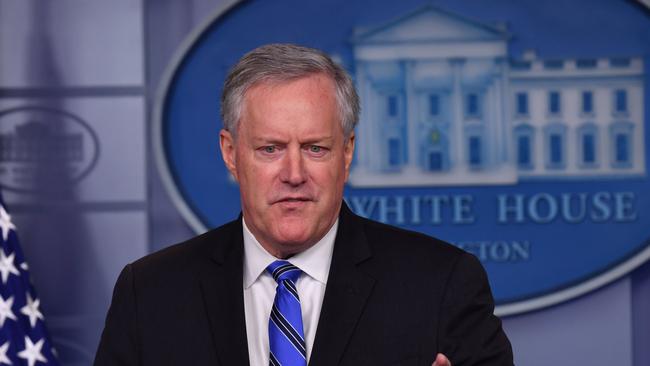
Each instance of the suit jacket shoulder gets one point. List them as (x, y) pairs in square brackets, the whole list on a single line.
[(399, 297), (177, 305), (177, 262), (401, 244)]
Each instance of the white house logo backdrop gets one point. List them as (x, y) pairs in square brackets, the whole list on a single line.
[(516, 131), (44, 149)]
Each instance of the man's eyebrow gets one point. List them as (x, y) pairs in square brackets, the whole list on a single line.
[(279, 140), (268, 140), (317, 139)]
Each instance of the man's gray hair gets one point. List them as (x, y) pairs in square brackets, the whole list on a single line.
[(277, 63)]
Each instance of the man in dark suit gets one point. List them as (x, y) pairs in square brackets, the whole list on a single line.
[(298, 278)]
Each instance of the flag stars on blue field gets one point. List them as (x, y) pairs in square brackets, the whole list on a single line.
[(3, 354), (21, 344), (5, 310), (7, 266), (5, 223), (32, 351), (31, 310)]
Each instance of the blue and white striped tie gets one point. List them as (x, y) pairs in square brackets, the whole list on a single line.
[(286, 336)]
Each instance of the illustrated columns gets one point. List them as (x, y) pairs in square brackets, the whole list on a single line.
[(412, 123), (456, 130), (506, 151)]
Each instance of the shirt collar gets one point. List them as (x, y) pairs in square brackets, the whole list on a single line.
[(315, 261)]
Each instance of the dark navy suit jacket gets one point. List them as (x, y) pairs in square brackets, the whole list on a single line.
[(393, 297)]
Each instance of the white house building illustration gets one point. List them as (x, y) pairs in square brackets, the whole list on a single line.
[(445, 104)]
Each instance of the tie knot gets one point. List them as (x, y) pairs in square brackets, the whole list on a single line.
[(283, 270)]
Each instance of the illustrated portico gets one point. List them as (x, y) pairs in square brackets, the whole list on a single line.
[(433, 86)]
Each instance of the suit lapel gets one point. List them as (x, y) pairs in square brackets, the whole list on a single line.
[(221, 286), (347, 291)]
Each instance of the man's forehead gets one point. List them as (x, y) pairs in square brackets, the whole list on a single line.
[(268, 84), (312, 91), (317, 89)]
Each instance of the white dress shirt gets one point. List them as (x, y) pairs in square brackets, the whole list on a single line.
[(259, 291)]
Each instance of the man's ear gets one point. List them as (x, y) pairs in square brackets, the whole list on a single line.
[(348, 153), (227, 143)]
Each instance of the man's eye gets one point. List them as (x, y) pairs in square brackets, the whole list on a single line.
[(269, 149), (315, 149)]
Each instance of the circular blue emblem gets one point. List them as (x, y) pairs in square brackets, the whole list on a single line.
[(481, 125)]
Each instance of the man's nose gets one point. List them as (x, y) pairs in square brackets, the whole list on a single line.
[(293, 169)]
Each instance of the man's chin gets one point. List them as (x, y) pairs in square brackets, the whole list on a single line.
[(294, 239)]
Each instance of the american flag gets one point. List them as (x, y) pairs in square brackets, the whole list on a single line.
[(24, 340)]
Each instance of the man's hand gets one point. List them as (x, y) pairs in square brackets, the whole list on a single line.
[(441, 360)]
